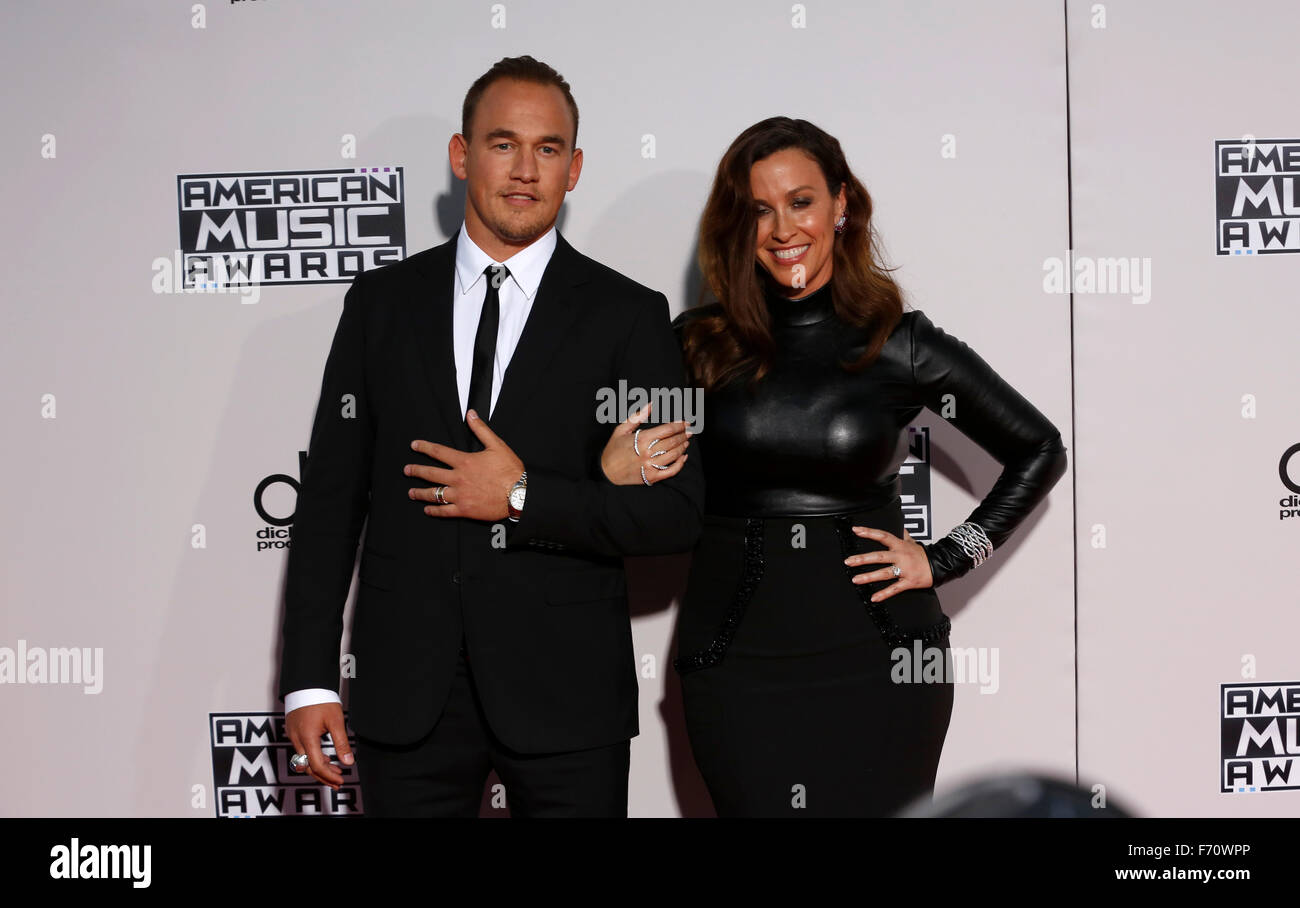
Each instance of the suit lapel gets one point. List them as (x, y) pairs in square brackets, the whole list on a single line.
[(549, 321), (435, 338)]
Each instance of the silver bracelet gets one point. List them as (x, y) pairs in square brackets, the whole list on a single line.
[(973, 541)]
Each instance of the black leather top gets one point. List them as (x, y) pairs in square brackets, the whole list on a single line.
[(815, 439)]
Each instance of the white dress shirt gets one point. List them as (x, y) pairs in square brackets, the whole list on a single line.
[(516, 295)]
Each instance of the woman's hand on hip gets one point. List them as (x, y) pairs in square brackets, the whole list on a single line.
[(906, 554), (662, 451)]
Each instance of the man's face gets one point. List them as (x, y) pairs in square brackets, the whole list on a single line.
[(518, 162)]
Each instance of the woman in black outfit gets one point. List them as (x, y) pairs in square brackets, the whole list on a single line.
[(805, 581)]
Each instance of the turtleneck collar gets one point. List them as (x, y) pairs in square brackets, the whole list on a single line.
[(809, 310)]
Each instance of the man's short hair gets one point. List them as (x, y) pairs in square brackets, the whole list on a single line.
[(523, 69)]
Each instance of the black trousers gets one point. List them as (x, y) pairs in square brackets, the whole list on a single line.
[(443, 774)]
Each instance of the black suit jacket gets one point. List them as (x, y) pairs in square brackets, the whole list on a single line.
[(542, 603)]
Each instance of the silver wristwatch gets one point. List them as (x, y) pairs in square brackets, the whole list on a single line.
[(515, 503)]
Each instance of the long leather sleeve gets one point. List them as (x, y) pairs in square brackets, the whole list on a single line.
[(592, 514), (956, 383)]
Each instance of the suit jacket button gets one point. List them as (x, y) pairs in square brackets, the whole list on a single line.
[(455, 576)]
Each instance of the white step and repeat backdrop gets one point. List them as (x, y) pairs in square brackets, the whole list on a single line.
[(1124, 259)]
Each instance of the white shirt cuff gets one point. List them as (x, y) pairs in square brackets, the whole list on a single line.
[(309, 697)]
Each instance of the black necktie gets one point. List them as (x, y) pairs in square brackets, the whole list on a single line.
[(485, 348)]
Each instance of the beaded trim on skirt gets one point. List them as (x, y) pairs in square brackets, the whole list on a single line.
[(749, 578), (752, 574)]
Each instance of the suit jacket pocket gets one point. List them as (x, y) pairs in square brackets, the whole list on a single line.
[(588, 585), (379, 571)]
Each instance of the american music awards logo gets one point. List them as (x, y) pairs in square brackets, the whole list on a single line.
[(914, 484), (290, 226), (252, 778), (1257, 196), (1260, 739)]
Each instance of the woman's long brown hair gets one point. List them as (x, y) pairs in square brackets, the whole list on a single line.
[(720, 347)]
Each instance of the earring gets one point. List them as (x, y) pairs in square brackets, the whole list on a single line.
[(839, 225)]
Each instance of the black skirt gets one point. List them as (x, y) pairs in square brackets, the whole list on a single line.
[(797, 698)]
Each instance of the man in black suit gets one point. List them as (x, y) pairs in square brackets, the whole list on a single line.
[(491, 628)]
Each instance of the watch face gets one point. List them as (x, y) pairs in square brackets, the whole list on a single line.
[(516, 498)]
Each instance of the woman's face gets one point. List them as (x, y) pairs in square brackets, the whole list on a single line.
[(796, 220)]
